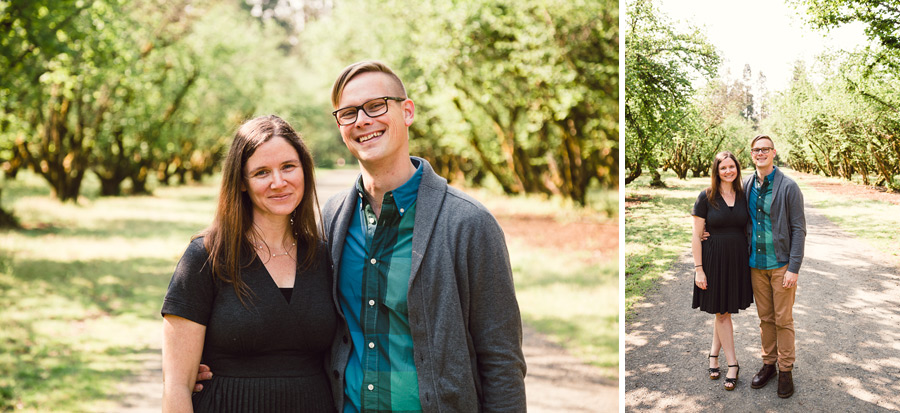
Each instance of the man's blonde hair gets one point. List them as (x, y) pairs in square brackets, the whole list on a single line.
[(758, 137), (364, 66)]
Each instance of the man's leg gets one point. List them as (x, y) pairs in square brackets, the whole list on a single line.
[(783, 299), (762, 295), (784, 325)]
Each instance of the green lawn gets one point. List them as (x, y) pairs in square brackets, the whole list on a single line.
[(82, 284), (564, 293), (657, 230), (875, 222), (575, 303)]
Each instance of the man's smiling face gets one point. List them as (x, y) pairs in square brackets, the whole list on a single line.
[(381, 138)]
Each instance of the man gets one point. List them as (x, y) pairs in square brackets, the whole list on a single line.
[(422, 272), (777, 232)]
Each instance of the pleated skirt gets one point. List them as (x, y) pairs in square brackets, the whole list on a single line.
[(726, 262), (265, 394)]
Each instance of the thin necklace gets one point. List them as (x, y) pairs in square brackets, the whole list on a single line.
[(286, 252)]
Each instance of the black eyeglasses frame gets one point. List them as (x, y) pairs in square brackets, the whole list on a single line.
[(362, 108)]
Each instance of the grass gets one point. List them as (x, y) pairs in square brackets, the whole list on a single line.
[(657, 230), (565, 294), (81, 286), (875, 222), (574, 303)]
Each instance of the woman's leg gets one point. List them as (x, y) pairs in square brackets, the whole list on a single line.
[(714, 350), (725, 332)]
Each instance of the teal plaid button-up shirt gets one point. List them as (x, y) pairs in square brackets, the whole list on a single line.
[(762, 250), (373, 286)]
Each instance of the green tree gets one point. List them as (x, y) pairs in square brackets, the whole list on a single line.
[(880, 17), (845, 125), (660, 64), (524, 90)]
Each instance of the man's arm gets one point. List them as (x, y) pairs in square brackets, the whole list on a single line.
[(203, 373), (797, 222), (495, 323)]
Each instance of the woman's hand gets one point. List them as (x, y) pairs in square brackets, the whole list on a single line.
[(700, 279)]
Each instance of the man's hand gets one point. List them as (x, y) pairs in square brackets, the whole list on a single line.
[(790, 279), (204, 373), (704, 236)]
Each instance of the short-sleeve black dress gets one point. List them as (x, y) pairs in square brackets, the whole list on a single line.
[(726, 258), (266, 357)]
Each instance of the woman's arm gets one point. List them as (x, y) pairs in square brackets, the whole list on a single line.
[(697, 252), (181, 351)]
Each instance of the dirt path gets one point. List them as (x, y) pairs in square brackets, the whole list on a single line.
[(556, 381), (847, 323)]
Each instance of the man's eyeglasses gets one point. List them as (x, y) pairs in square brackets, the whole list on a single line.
[(764, 151), (375, 107)]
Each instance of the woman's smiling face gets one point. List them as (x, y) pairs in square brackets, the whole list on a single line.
[(727, 170), (274, 178)]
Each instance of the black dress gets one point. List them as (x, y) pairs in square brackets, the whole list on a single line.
[(726, 257), (268, 356)]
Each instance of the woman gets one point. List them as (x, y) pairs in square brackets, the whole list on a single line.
[(722, 279), (251, 297)]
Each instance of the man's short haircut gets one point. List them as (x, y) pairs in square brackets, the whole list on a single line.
[(364, 66), (758, 137)]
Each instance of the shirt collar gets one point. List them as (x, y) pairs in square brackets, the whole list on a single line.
[(770, 177), (404, 196)]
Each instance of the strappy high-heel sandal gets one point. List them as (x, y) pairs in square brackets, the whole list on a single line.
[(714, 372), (732, 382)]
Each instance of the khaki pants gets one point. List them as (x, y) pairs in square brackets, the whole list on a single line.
[(775, 305)]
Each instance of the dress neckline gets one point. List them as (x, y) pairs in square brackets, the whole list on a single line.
[(726, 202)]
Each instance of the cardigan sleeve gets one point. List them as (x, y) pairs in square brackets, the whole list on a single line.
[(495, 322), (797, 223)]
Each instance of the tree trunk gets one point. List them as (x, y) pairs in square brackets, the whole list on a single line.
[(657, 182), (7, 219), (502, 178), (110, 186)]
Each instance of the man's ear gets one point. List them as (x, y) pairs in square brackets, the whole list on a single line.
[(409, 111)]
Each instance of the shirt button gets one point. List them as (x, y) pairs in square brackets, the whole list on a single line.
[(371, 387), (401, 210), (371, 220), (373, 261), (371, 345), (371, 302)]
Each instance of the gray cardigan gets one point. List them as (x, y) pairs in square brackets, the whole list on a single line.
[(788, 220), (463, 313)]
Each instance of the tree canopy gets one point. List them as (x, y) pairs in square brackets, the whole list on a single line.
[(522, 92), (838, 117)]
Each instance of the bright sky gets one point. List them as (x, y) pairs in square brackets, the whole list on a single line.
[(768, 34)]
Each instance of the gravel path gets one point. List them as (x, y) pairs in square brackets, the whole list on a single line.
[(556, 381), (847, 324)]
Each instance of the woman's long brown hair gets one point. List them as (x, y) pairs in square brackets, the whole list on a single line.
[(226, 238), (712, 193)]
